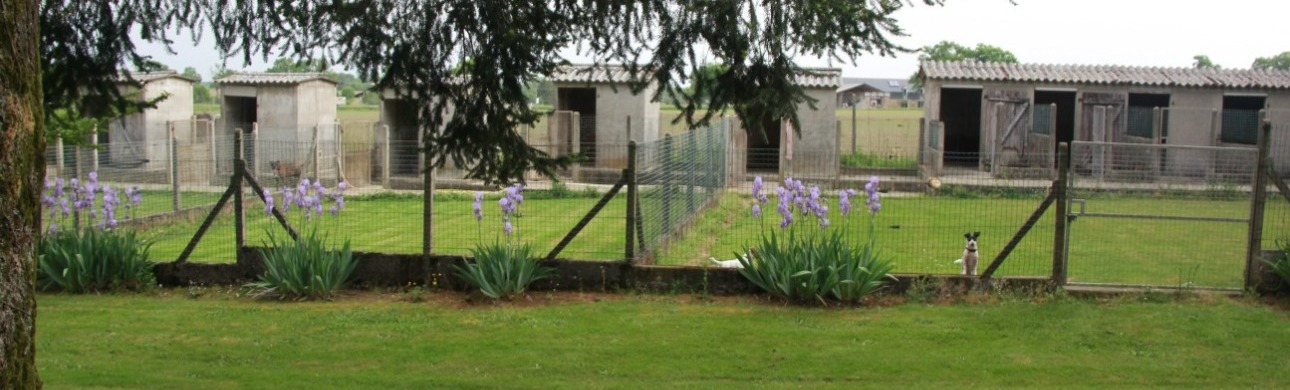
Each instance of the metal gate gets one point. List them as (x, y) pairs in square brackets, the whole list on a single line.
[(1139, 220)]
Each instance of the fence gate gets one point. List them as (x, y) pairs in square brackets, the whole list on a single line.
[(1009, 125), (1135, 223)]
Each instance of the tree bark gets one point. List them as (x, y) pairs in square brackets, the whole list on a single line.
[(22, 172)]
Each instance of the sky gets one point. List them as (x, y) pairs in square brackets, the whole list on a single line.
[(1165, 33)]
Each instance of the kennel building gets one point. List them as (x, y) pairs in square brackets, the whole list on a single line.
[(1009, 118), (286, 111)]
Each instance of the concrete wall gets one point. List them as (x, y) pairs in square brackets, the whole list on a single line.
[(815, 145), (144, 136)]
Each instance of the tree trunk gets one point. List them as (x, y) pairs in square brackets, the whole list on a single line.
[(22, 173)]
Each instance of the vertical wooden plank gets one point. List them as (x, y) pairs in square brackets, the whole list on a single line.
[(1254, 242)]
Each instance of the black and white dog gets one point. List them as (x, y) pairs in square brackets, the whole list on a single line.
[(969, 258)]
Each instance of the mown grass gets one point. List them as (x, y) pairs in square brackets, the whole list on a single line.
[(392, 224), (583, 341), (920, 234), (925, 234)]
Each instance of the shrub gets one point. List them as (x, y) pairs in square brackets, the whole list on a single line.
[(304, 268), (502, 269), (813, 265), (93, 260), (1281, 264)]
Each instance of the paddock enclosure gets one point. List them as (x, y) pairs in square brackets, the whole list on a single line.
[(1076, 186)]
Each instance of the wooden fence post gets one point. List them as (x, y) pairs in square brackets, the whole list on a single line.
[(239, 167), (1254, 243), (629, 247), (94, 150), (1061, 233)]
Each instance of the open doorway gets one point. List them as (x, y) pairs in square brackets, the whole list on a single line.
[(961, 114), (763, 149), (583, 101), (1063, 105), (242, 115), (401, 116)]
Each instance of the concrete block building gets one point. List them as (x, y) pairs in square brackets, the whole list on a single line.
[(287, 112), (140, 140), (1010, 117), (610, 113)]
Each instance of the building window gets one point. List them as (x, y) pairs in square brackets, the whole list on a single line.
[(1241, 119)]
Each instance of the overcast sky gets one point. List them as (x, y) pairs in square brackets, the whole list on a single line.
[(1119, 32)]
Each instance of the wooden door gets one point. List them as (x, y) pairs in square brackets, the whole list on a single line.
[(1102, 115), (1008, 117)]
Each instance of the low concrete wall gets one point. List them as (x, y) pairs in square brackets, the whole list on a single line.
[(390, 270)]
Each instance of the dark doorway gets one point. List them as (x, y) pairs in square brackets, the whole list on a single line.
[(405, 150), (763, 149), (242, 114), (1241, 119), (1065, 102), (961, 113), (1142, 115), (582, 101)]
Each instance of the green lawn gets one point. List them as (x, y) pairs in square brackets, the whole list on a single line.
[(924, 235), (920, 234), (565, 340), (393, 225)]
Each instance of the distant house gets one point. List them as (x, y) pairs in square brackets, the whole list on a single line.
[(139, 140), (877, 93), (287, 111), (1010, 117)]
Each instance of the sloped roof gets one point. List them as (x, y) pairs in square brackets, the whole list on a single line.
[(875, 84), (819, 78), (148, 77), (273, 78), (590, 74), (809, 78), (1105, 75)]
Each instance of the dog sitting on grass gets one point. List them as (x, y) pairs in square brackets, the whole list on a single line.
[(970, 258), (287, 172)]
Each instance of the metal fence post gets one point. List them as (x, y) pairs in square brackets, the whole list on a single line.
[(1061, 232), (1254, 243), (172, 149)]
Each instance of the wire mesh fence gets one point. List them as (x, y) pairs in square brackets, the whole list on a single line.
[(695, 194), (679, 177), (1185, 209)]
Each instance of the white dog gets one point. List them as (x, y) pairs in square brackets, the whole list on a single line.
[(733, 263), (969, 259)]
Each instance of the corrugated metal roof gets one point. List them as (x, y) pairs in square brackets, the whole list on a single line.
[(809, 78), (819, 78), (590, 74), (1105, 75), (148, 77), (273, 78)]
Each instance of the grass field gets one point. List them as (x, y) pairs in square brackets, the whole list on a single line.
[(369, 340), (392, 224), (919, 234)]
